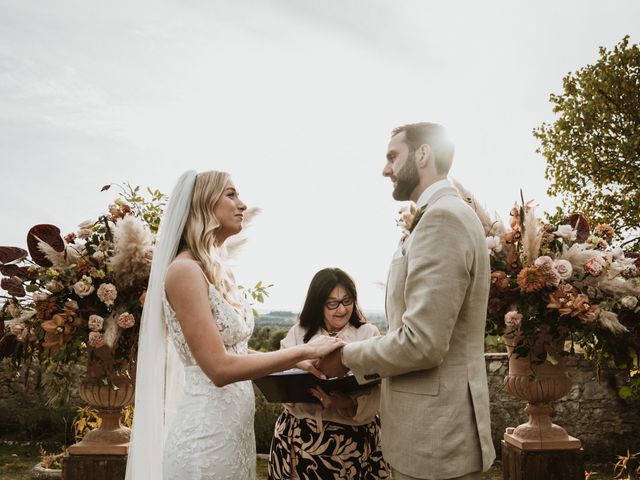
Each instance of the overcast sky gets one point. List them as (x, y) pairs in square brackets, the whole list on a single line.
[(295, 98)]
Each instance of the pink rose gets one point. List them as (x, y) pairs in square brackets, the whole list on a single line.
[(95, 323), (544, 264), (96, 340), (513, 319), (594, 266), (564, 269), (107, 293), (84, 233), (126, 320)]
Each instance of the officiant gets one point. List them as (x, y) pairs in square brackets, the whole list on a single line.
[(338, 437)]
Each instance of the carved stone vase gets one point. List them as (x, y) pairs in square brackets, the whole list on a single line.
[(538, 385), (111, 438)]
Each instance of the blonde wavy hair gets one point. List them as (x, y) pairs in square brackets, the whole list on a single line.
[(199, 234)]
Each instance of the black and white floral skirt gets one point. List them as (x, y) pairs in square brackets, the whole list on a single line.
[(334, 451)]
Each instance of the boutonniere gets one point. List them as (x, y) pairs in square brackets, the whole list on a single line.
[(408, 218)]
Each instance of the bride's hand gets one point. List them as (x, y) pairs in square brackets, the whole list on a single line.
[(323, 345), (308, 366)]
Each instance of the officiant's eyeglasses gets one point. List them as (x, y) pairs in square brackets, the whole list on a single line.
[(333, 304)]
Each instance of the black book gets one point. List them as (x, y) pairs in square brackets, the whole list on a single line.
[(292, 386)]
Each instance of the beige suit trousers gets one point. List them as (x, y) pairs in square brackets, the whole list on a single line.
[(401, 476)]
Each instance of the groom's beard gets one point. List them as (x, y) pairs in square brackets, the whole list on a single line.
[(406, 180)]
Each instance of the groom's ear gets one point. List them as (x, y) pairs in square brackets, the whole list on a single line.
[(423, 154)]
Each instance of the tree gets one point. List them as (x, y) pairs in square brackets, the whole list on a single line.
[(593, 148)]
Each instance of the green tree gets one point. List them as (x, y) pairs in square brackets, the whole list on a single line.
[(593, 147)]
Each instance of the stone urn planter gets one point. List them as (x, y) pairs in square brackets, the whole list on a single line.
[(538, 385), (41, 473), (109, 398)]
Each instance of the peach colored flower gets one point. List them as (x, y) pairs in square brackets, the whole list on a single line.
[(552, 278), (530, 279), (126, 320), (59, 330), (96, 322), (107, 293), (96, 339), (71, 305), (16, 328), (605, 231), (500, 280)]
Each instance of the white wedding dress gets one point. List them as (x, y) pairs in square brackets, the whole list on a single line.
[(211, 435)]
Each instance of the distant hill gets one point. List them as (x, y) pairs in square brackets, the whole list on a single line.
[(285, 319)]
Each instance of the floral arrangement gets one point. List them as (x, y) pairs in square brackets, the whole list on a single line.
[(82, 293), (559, 282)]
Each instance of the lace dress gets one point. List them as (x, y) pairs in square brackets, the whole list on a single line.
[(212, 436)]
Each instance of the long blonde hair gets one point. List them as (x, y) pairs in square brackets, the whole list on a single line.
[(199, 234)]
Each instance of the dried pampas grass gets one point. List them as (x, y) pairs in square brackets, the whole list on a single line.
[(492, 225), (59, 259), (131, 261), (532, 236), (235, 243), (609, 320)]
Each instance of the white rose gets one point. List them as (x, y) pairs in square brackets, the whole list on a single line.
[(566, 232), (39, 296), (493, 243), (629, 302), (83, 287), (99, 256)]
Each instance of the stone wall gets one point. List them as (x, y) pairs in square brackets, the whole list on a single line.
[(592, 411)]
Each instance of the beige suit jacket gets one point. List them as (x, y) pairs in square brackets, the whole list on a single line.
[(434, 396)]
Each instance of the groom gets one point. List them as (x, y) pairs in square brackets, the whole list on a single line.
[(435, 399)]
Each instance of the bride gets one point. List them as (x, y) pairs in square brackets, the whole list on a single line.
[(194, 403)]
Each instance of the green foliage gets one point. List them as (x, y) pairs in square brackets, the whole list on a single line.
[(593, 148), (150, 210), (257, 293), (264, 422), (267, 339)]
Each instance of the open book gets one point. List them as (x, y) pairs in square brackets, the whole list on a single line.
[(292, 386)]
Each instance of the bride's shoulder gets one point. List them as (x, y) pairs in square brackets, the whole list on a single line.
[(183, 269)]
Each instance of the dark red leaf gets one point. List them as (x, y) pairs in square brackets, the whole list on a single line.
[(13, 285), (11, 254), (15, 271), (49, 234), (580, 223), (106, 187)]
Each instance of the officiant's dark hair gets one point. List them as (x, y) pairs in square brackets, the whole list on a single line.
[(432, 134), (322, 283)]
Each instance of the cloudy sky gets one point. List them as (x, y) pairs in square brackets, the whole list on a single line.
[(296, 98)]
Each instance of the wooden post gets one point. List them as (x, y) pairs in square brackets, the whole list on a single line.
[(518, 464), (94, 467)]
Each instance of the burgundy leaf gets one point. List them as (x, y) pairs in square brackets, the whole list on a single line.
[(580, 223), (106, 187), (49, 234), (11, 254), (13, 285), (15, 271)]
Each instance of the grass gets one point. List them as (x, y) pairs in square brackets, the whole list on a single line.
[(17, 460)]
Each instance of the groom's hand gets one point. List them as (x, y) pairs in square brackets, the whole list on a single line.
[(331, 364)]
